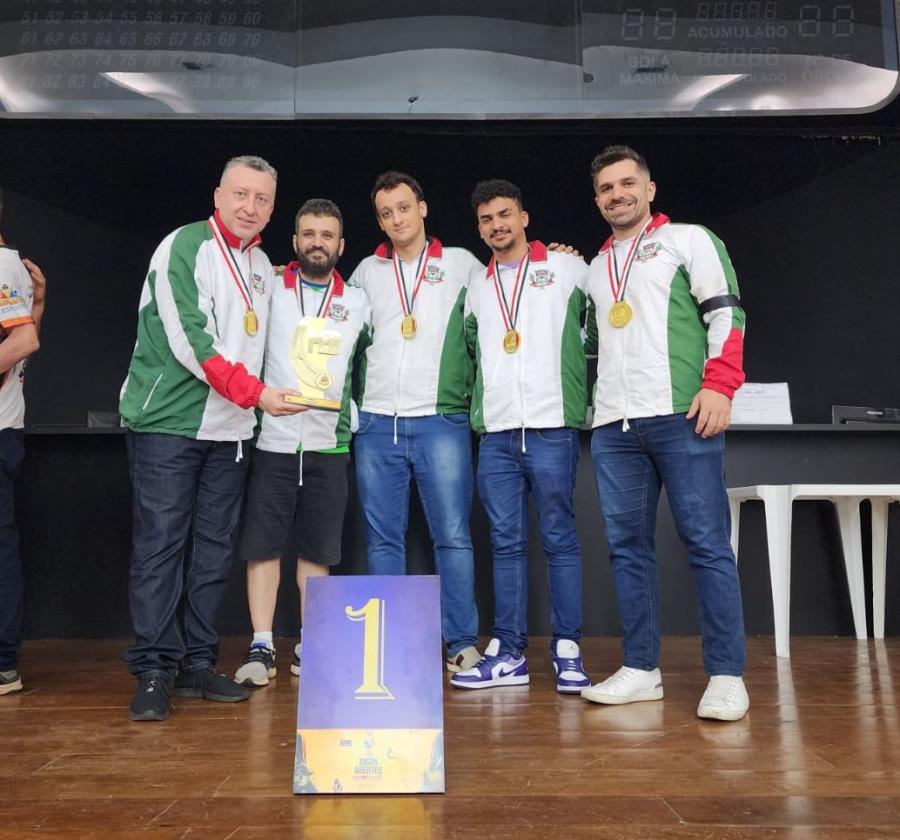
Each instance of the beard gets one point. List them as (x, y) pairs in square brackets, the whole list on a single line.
[(316, 270), (502, 249)]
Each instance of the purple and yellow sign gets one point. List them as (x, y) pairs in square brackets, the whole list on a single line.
[(370, 716)]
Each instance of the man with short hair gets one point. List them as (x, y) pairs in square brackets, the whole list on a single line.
[(297, 486), (670, 328), (523, 322), (22, 291), (188, 404), (415, 383)]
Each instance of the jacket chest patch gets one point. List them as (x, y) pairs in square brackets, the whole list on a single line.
[(338, 312), (648, 251), (259, 284), (434, 274), (541, 278)]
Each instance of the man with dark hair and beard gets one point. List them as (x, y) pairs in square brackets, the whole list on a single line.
[(297, 485)]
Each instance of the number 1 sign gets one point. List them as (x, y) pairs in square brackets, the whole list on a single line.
[(370, 715)]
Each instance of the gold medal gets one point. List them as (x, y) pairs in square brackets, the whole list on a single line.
[(251, 322), (620, 313), (408, 326), (511, 341)]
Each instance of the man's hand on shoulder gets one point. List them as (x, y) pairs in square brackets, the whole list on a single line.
[(712, 410), (38, 281), (271, 400), (562, 248)]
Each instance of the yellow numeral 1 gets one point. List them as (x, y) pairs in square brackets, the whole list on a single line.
[(372, 615)]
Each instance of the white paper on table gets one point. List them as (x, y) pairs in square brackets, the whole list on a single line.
[(761, 403)]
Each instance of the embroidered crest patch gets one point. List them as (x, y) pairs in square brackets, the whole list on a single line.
[(433, 274), (648, 251), (338, 312), (541, 277)]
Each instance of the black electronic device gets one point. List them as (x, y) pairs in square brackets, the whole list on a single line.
[(861, 415)]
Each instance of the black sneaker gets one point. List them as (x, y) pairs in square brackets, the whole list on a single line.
[(10, 681), (209, 684), (151, 700)]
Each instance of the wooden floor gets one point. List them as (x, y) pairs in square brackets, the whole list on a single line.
[(817, 757)]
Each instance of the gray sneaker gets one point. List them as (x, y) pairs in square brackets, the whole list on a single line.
[(10, 681), (258, 667), (467, 658)]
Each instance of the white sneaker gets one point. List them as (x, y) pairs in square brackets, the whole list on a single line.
[(467, 658), (627, 685), (725, 698)]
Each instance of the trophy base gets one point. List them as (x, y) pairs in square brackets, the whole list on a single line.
[(314, 402)]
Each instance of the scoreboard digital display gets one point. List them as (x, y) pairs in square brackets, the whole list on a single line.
[(460, 59)]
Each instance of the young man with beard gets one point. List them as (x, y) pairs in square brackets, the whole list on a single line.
[(416, 383), (523, 322), (670, 331), (188, 402), (297, 487)]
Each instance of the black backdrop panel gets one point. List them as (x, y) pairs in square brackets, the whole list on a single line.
[(807, 217), (807, 222)]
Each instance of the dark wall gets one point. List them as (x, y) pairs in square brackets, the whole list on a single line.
[(74, 510), (807, 218), (806, 209)]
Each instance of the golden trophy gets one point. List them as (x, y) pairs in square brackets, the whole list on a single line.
[(311, 348)]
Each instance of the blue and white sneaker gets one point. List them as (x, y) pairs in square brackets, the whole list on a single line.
[(570, 674), (493, 670)]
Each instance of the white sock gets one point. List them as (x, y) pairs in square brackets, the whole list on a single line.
[(264, 638), (298, 648)]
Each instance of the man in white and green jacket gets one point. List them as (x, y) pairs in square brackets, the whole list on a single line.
[(188, 402), (297, 487), (523, 323), (415, 386), (668, 329)]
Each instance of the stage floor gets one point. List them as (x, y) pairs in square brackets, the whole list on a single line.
[(817, 757)]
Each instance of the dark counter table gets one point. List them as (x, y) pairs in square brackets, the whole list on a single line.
[(74, 514)]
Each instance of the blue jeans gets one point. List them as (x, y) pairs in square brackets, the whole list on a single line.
[(437, 451), (186, 503), (12, 451), (630, 468), (505, 476)]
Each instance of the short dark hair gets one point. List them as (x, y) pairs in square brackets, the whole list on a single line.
[(320, 207), (392, 179), (486, 191), (613, 154)]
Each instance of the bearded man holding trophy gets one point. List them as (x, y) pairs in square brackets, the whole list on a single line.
[(298, 485)]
